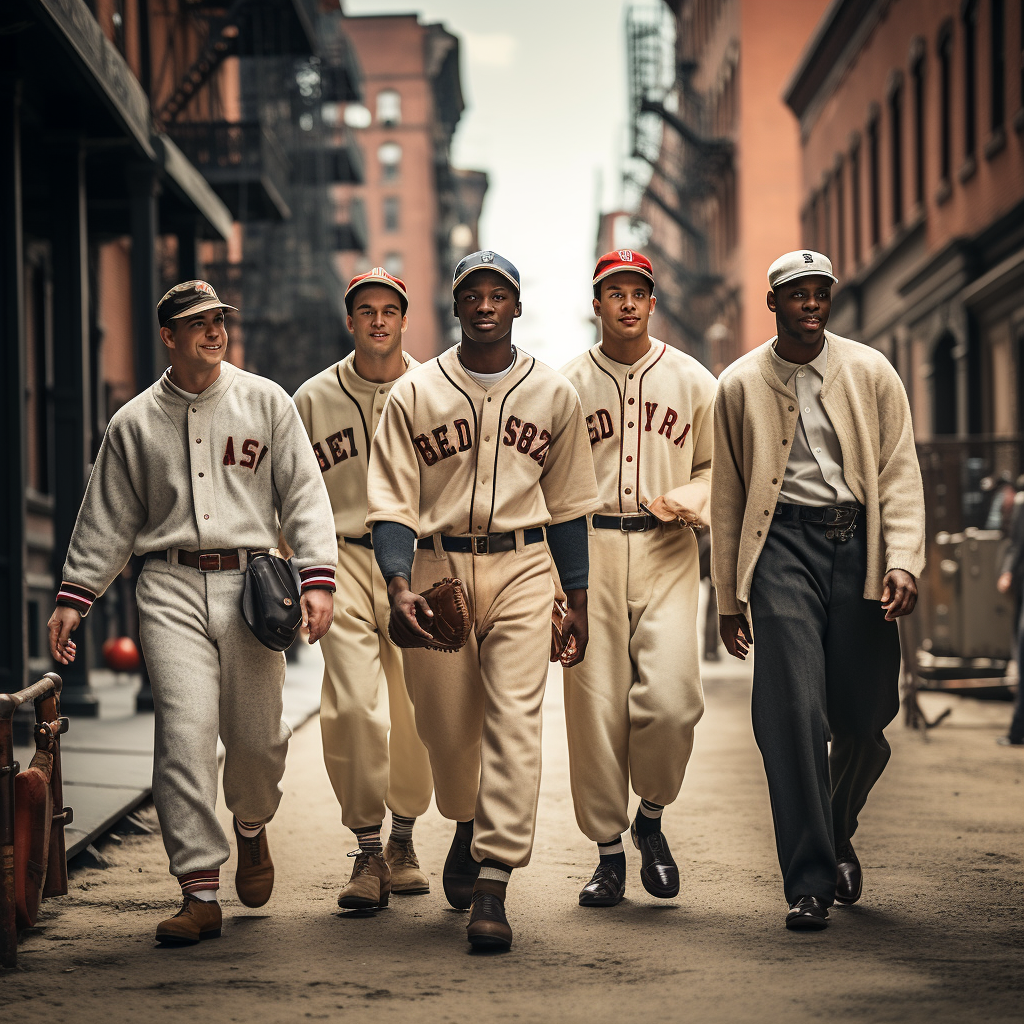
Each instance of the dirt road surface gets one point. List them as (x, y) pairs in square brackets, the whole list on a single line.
[(937, 936)]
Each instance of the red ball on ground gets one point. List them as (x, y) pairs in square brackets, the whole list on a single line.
[(121, 654)]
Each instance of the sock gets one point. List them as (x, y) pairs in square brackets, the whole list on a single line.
[(493, 879), (201, 884), (401, 828), (249, 829), (369, 839), (648, 818), (613, 853)]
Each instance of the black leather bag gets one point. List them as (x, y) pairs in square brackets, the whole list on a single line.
[(270, 600)]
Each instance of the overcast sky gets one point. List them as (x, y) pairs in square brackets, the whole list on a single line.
[(545, 88)]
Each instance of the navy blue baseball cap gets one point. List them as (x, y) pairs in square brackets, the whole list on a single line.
[(485, 260)]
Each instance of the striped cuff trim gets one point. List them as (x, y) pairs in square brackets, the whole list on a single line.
[(197, 881), (317, 577), (72, 596)]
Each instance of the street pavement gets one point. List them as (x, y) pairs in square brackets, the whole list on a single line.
[(937, 936)]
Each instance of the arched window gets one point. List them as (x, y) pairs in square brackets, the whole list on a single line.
[(389, 107), (390, 156)]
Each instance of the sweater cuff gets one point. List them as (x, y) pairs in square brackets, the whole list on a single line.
[(317, 577), (71, 595)]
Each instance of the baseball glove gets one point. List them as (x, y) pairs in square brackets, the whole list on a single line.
[(449, 628), (560, 649)]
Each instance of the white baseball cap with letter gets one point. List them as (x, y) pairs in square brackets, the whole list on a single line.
[(800, 263)]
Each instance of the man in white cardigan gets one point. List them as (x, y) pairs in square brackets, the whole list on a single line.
[(817, 513)]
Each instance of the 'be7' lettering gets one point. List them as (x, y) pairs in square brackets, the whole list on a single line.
[(341, 445)]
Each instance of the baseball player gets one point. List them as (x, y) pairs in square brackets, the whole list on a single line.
[(631, 707), (364, 689), (818, 513), (478, 450), (202, 468)]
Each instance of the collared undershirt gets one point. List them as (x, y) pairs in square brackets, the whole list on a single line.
[(814, 473)]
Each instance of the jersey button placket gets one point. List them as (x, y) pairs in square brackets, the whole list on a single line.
[(485, 459)]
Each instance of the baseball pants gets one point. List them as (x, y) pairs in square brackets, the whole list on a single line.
[(826, 667), (364, 696), (211, 677), (631, 706), (479, 711)]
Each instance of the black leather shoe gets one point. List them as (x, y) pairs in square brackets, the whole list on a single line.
[(605, 889), (488, 927), (849, 880), (658, 870), (460, 871), (808, 914)]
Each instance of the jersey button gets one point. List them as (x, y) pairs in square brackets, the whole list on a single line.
[(487, 438), (629, 490), (631, 376), (488, 398), (382, 391), (629, 424), (629, 458), (194, 409), (632, 400), (199, 440), (206, 517), (202, 474)]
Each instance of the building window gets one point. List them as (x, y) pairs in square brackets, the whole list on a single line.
[(840, 253), (855, 207), (873, 196), (997, 36), (391, 213), (394, 264), (945, 103), (970, 23), (389, 108), (896, 151), (826, 216), (917, 76), (390, 156)]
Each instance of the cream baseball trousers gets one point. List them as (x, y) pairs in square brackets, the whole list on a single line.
[(631, 706), (364, 695), (479, 710), (211, 677)]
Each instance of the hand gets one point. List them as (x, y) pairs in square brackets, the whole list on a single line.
[(63, 622), (407, 608), (899, 594), (1005, 582), (317, 612), (736, 635), (660, 509), (575, 628)]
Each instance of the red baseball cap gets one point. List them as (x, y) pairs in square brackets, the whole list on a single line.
[(619, 260), (378, 276)]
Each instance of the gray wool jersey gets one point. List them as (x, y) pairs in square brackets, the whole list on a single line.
[(229, 469)]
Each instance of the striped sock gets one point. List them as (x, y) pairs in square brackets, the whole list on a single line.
[(493, 879), (369, 839), (401, 828), (249, 829), (613, 853), (648, 818), (203, 885)]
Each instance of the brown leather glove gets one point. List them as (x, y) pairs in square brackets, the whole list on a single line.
[(450, 625), (560, 650)]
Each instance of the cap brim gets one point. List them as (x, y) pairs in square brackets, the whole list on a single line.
[(202, 308), (624, 270), (804, 273), (485, 266)]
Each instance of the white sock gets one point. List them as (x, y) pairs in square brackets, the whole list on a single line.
[(495, 874), (249, 829), (206, 895)]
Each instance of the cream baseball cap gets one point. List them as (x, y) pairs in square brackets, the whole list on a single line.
[(799, 263)]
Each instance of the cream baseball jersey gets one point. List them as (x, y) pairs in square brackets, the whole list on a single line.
[(340, 412), (649, 425), (452, 457)]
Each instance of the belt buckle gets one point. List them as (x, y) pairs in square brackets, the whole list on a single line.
[(841, 523), (209, 562), (631, 518), (481, 544)]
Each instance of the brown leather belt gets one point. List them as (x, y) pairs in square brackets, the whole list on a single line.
[(204, 561)]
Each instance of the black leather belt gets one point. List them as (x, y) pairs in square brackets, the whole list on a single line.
[(839, 520), (486, 543), (366, 541), (633, 522), (204, 561)]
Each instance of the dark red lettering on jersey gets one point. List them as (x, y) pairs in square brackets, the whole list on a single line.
[(229, 452), (263, 452), (668, 422), (678, 442), (522, 436), (511, 430), (320, 457), (250, 446), (339, 451), (540, 453), (526, 437), (425, 448), (441, 437), (599, 426), (251, 454), (465, 435), (649, 407)]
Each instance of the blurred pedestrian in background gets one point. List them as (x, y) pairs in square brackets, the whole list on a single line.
[(1011, 579), (1001, 502)]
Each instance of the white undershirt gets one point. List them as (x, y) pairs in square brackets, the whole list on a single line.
[(488, 380), (187, 395)]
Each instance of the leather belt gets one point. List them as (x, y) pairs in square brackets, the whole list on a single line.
[(839, 520), (486, 543), (633, 522), (204, 561), (366, 541)]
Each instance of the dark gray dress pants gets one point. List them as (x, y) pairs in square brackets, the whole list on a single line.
[(826, 667)]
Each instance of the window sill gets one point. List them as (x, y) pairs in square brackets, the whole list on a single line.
[(996, 143), (943, 192), (967, 169)]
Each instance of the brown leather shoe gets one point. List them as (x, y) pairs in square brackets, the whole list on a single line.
[(370, 885), (197, 919), (488, 927), (254, 876), (406, 877)]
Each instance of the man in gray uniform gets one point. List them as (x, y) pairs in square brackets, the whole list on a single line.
[(205, 466), (817, 513)]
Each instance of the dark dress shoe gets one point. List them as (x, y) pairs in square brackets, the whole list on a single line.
[(808, 914), (658, 870), (849, 879), (605, 889), (460, 871), (488, 927)]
